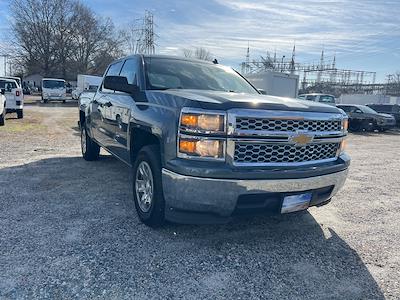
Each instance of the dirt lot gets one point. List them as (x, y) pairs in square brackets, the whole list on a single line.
[(67, 229)]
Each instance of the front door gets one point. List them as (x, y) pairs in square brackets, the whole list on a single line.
[(101, 111), (120, 110)]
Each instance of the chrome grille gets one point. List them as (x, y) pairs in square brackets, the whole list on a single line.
[(261, 124), (273, 153)]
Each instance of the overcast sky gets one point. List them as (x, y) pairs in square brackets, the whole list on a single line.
[(365, 35)]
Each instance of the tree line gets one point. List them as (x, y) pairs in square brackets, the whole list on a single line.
[(62, 38)]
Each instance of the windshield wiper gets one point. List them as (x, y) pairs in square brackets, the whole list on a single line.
[(167, 88)]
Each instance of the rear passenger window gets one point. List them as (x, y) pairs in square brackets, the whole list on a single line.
[(326, 99), (113, 70), (311, 98), (129, 70)]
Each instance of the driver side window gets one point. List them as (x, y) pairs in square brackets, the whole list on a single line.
[(129, 70)]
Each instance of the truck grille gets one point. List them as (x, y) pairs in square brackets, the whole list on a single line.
[(261, 124), (273, 153)]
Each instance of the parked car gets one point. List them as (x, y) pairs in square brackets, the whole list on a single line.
[(323, 98), (14, 96), (203, 144), (391, 109), (53, 89), (2, 107), (362, 117)]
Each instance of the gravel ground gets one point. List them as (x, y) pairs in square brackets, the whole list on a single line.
[(68, 230)]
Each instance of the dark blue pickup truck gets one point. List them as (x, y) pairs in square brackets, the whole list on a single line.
[(204, 145)]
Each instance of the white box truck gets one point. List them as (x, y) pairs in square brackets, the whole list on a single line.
[(275, 83), (86, 83)]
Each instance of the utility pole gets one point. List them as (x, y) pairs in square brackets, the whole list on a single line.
[(292, 66), (247, 68), (321, 65)]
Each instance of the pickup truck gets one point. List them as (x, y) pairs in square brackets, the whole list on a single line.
[(204, 145), (14, 96)]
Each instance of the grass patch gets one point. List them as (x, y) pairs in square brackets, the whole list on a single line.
[(12, 127)]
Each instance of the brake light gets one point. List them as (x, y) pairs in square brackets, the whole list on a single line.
[(17, 93)]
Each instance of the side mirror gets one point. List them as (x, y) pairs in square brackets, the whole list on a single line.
[(120, 84), (2, 91), (262, 92)]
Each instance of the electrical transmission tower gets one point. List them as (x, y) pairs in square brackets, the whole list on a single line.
[(147, 45)]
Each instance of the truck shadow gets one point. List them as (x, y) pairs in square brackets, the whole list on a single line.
[(73, 222)]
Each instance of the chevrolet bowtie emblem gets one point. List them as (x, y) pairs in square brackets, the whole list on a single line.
[(301, 139)]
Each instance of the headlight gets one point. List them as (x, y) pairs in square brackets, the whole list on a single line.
[(202, 121), (343, 146), (192, 147), (345, 124)]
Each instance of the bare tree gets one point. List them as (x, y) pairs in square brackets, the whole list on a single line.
[(188, 53), (92, 37), (62, 37), (199, 53), (132, 36)]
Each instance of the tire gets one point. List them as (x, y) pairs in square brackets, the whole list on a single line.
[(90, 150), (20, 113), (3, 117), (355, 126), (149, 197)]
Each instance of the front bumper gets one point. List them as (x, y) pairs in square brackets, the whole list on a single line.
[(48, 97), (204, 200)]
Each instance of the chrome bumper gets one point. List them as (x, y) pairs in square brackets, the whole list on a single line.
[(219, 196)]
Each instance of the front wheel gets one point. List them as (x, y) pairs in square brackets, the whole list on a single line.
[(90, 150), (355, 125), (147, 187)]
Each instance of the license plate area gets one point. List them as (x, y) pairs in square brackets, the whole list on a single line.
[(298, 202)]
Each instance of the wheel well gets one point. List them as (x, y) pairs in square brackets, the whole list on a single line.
[(141, 138)]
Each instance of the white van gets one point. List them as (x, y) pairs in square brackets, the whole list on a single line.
[(14, 96), (53, 89)]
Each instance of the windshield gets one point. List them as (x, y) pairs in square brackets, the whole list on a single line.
[(14, 78), (8, 85), (367, 110), (53, 84), (164, 74)]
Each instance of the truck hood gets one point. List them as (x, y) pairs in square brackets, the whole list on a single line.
[(226, 100)]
